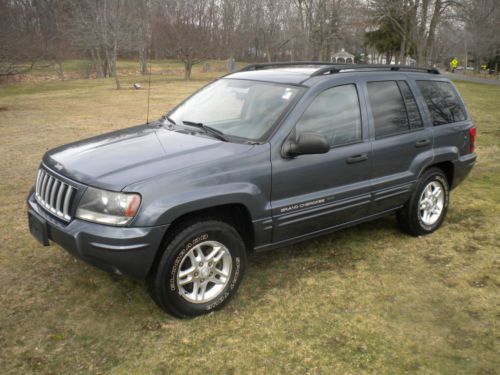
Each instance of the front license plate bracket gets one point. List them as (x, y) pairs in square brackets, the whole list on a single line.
[(38, 228)]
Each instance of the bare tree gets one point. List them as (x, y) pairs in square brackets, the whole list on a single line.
[(20, 41), (142, 39), (482, 22), (194, 30), (187, 36), (416, 21), (105, 28)]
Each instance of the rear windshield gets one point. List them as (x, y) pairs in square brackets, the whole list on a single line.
[(443, 102)]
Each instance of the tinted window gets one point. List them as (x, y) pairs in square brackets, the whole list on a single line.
[(411, 106), (388, 108), (334, 113), (443, 102)]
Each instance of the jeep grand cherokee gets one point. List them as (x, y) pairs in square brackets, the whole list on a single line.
[(264, 157)]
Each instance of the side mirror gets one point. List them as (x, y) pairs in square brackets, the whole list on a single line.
[(308, 143)]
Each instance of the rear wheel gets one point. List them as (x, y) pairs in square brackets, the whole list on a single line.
[(200, 269), (427, 207)]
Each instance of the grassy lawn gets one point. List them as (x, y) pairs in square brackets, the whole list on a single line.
[(364, 300)]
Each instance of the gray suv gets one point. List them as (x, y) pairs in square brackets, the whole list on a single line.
[(267, 156)]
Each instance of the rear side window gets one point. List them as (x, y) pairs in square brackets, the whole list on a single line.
[(443, 102), (334, 113), (389, 101), (411, 106)]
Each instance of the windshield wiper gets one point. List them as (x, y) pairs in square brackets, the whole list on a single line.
[(208, 130), (169, 119)]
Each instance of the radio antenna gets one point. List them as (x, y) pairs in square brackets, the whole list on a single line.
[(149, 89)]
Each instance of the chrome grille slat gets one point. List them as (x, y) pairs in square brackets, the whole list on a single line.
[(54, 195), (67, 198), (43, 185), (38, 180), (60, 194), (47, 190), (52, 203)]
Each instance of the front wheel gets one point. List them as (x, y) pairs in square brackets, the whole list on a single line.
[(427, 207), (200, 269)]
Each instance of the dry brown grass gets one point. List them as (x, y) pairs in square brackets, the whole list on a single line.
[(364, 300)]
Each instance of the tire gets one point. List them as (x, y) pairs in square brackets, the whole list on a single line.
[(415, 218), (200, 269)]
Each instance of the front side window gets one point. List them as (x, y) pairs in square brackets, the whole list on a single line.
[(334, 113), (240, 108), (443, 102)]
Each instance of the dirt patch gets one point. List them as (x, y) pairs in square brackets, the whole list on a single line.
[(479, 283), (469, 247), (450, 283), (438, 260)]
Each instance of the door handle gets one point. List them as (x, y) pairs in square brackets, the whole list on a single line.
[(423, 142), (357, 159)]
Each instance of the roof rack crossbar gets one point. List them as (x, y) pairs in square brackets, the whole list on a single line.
[(260, 66)]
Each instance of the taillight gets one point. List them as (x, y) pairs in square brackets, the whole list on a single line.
[(472, 138)]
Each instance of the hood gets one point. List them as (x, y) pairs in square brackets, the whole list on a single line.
[(115, 160)]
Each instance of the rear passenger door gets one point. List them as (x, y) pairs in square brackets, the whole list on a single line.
[(401, 142)]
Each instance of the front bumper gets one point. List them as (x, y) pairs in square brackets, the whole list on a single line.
[(119, 250)]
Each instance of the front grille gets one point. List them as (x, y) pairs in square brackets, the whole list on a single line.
[(54, 195)]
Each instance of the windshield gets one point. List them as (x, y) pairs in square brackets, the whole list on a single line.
[(239, 108)]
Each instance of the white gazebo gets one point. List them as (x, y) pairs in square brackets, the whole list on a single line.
[(343, 57)]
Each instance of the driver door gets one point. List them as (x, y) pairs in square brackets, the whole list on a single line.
[(315, 193)]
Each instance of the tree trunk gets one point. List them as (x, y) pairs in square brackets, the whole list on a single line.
[(388, 57), (143, 61), (96, 58), (411, 29), (59, 69), (402, 51), (188, 66), (114, 67), (420, 56), (432, 30), (269, 55), (108, 64)]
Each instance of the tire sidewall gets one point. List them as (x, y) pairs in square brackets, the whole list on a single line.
[(166, 278), (431, 176)]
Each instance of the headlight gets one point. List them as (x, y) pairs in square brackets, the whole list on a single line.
[(107, 207)]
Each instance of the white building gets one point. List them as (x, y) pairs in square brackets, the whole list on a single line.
[(342, 57)]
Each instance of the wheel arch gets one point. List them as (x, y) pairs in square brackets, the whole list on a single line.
[(234, 214), (448, 169)]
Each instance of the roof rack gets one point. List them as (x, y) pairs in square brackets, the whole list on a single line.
[(332, 68), (261, 66)]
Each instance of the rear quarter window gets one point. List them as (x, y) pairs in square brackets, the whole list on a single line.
[(443, 102)]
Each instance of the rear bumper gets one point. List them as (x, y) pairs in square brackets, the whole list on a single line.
[(119, 250), (462, 168)]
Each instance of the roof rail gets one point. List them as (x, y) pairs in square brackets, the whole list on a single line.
[(332, 69), (260, 66)]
